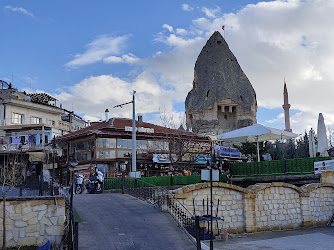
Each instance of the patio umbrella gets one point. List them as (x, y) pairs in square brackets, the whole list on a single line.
[(322, 137), (256, 133), (311, 142)]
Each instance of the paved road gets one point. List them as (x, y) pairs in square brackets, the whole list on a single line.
[(120, 221), (317, 238)]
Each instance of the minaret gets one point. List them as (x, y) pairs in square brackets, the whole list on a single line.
[(286, 106)]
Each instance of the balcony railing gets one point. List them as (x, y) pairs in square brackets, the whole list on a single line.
[(19, 147), (63, 125)]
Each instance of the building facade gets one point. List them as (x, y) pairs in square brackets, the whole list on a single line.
[(159, 150), (28, 122)]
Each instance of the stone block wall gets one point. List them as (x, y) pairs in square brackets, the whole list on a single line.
[(261, 207), (228, 202), (33, 220), (277, 206)]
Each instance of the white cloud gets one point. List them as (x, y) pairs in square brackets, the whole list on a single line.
[(20, 10), (113, 59), (168, 27), (187, 7), (289, 39), (128, 58), (211, 12), (181, 32), (99, 49)]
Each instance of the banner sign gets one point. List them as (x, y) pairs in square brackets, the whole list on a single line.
[(202, 159), (232, 152), (140, 129), (164, 158)]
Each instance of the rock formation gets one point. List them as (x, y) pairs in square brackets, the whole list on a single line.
[(222, 98)]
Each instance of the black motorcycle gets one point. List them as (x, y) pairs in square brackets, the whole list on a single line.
[(94, 185)]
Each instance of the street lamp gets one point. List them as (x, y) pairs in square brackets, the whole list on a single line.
[(134, 169), (123, 168), (73, 163), (53, 164)]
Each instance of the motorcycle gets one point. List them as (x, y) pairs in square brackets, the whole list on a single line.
[(94, 183), (79, 186)]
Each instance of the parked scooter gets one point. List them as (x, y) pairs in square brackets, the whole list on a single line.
[(94, 183), (79, 186)]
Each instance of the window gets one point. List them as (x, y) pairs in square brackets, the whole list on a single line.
[(106, 142), (141, 145), (124, 154), (124, 143), (158, 145), (51, 122), (36, 120), (82, 145), (101, 154), (17, 118)]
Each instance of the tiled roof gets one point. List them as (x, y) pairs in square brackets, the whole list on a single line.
[(116, 126)]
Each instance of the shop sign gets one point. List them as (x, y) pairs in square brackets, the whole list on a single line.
[(140, 129), (202, 159), (164, 158), (322, 166), (232, 152)]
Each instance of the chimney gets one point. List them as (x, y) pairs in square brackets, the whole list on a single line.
[(140, 119), (107, 114)]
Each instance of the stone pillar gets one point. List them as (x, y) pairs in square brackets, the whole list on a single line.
[(305, 208), (249, 213), (327, 177)]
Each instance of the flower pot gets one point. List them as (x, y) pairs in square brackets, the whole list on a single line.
[(224, 236)]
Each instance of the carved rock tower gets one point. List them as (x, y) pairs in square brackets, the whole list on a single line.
[(222, 98)]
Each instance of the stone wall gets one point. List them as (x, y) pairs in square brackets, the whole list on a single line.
[(33, 220), (261, 207), (277, 206)]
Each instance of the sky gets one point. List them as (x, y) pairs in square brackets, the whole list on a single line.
[(91, 55)]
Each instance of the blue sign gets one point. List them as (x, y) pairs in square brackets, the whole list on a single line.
[(226, 151), (202, 159)]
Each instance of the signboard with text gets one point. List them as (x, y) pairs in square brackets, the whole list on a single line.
[(140, 129), (322, 166), (164, 158)]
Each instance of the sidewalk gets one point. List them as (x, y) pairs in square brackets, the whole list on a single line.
[(316, 238)]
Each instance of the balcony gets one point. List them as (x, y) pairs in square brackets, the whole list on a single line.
[(20, 147), (21, 123)]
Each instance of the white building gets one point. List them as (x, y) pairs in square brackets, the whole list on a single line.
[(29, 121)]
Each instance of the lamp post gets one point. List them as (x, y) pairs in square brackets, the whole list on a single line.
[(73, 163), (134, 169), (53, 164), (123, 168)]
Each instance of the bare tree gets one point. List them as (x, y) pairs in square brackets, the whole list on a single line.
[(182, 145), (330, 133), (11, 176)]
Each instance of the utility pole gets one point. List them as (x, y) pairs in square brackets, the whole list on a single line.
[(134, 168)]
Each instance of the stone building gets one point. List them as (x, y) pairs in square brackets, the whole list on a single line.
[(222, 98)]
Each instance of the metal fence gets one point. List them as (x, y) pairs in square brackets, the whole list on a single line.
[(33, 186)]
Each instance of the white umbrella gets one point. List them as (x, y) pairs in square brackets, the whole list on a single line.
[(256, 133), (311, 144), (322, 136)]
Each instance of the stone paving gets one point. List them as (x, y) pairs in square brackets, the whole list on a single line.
[(116, 221), (316, 238)]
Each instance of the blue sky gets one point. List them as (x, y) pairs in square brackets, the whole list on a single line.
[(90, 56)]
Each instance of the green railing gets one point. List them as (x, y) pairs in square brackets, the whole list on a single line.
[(166, 181), (275, 168)]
